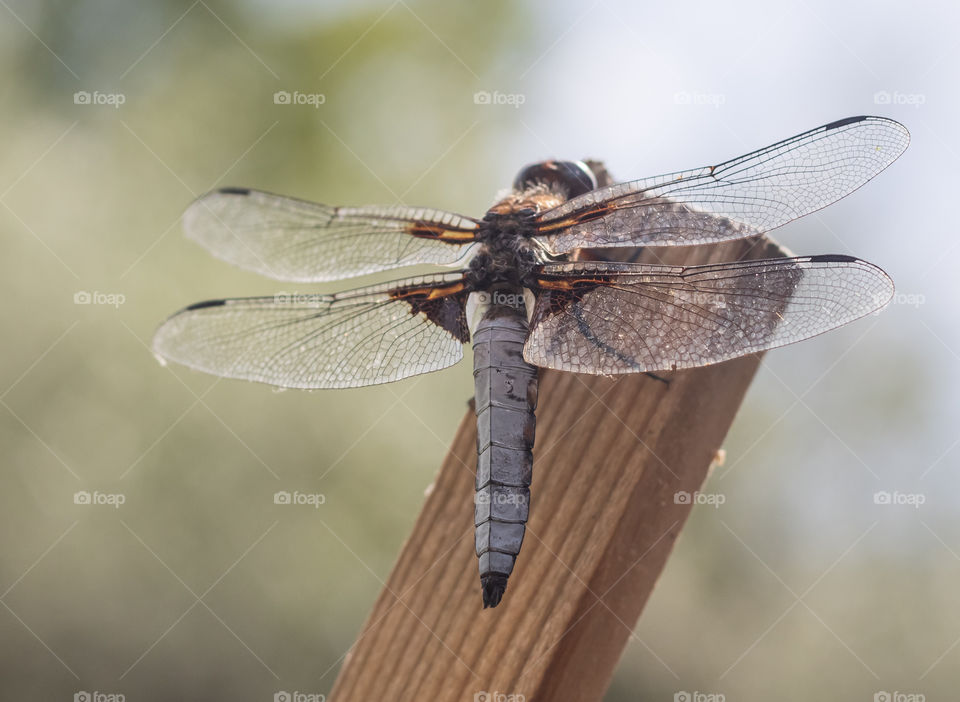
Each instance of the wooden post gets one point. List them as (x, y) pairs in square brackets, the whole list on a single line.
[(611, 455)]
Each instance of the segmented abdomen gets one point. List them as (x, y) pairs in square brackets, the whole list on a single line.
[(506, 397)]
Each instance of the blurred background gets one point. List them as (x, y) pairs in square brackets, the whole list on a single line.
[(830, 570)]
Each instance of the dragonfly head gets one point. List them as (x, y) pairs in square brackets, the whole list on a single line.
[(572, 177)]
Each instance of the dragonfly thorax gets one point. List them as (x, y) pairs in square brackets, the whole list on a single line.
[(507, 257)]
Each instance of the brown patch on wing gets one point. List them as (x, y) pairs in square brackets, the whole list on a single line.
[(580, 217), (454, 235), (556, 295), (444, 305), (538, 202), (578, 283)]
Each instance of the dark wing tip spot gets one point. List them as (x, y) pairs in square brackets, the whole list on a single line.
[(205, 303), (833, 258), (845, 121), (234, 191)]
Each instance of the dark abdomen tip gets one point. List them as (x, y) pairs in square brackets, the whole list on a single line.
[(493, 586)]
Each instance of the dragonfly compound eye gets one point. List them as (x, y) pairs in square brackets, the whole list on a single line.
[(574, 177)]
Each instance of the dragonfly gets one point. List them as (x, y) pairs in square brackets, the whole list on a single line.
[(516, 288)]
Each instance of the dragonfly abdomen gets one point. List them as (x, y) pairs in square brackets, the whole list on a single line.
[(506, 397)]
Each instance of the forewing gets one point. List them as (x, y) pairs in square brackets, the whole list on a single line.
[(749, 195), (290, 239), (610, 318), (362, 337)]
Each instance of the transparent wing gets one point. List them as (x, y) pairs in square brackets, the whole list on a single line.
[(290, 239), (363, 337), (749, 195), (609, 318)]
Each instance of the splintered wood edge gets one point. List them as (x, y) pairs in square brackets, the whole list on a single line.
[(610, 457)]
